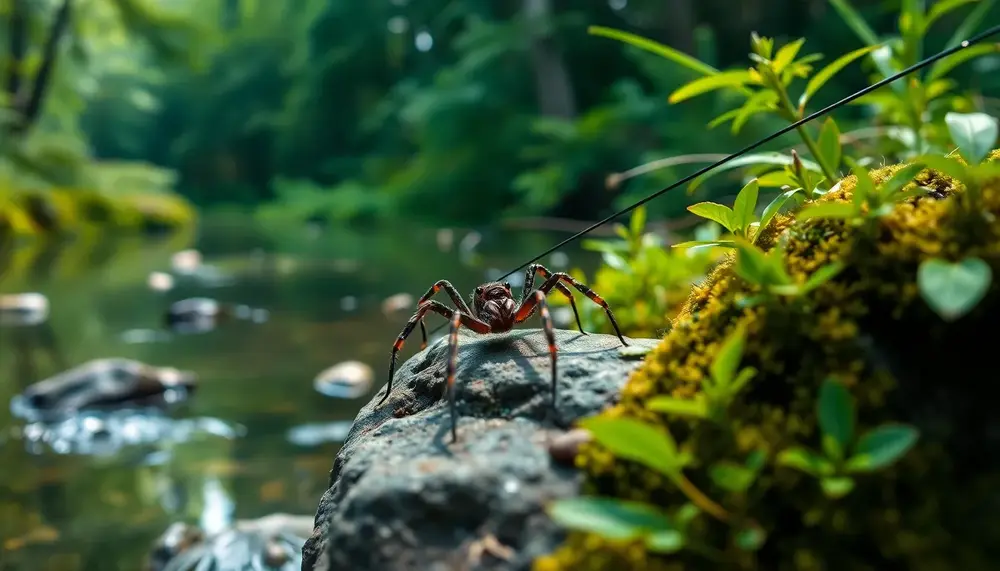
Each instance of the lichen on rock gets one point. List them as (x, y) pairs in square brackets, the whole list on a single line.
[(869, 328)]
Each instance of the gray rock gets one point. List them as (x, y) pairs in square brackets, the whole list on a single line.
[(402, 496)]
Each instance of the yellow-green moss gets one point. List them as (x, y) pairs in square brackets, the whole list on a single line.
[(869, 327)]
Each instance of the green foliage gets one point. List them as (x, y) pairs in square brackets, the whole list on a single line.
[(766, 271), (954, 289), (869, 201), (845, 456)]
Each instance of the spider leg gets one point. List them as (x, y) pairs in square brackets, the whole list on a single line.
[(437, 307), (550, 336), (456, 322), (456, 298), (528, 306), (529, 282)]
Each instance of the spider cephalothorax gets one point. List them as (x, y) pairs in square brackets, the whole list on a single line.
[(494, 310)]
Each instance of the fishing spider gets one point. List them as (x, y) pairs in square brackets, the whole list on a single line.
[(494, 310)]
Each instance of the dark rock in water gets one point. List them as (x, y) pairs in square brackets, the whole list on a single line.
[(102, 383), (202, 314), (271, 543), (404, 497)]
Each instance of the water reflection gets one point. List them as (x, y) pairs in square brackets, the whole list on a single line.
[(257, 429)]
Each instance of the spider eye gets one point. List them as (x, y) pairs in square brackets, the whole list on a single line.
[(479, 290), (506, 285)]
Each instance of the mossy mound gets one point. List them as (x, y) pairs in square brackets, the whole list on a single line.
[(934, 510)]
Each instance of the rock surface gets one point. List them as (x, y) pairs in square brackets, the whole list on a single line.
[(402, 496)]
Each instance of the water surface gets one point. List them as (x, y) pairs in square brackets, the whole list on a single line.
[(68, 511)]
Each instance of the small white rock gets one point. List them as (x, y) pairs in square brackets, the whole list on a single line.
[(186, 261), (350, 379), (160, 281)]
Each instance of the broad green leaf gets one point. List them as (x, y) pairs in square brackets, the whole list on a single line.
[(752, 159), (883, 61), (835, 412), (608, 517), (654, 47), (731, 477), (750, 538), (727, 359), (772, 210), (882, 446), (943, 67), (835, 210), (945, 165), (829, 143), (822, 275), (786, 55), (637, 441), (638, 221), (974, 133), (855, 21), (715, 212), (805, 460), (940, 8), (745, 204), (952, 290), (901, 178), (824, 75), (775, 179), (695, 408), (835, 488), (970, 23), (702, 85)]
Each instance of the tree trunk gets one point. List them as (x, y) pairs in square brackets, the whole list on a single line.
[(552, 81)]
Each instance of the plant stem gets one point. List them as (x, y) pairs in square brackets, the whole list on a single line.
[(699, 499), (789, 108)]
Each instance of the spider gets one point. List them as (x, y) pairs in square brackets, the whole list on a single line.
[(494, 310)]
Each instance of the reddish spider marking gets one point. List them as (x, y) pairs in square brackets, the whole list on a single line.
[(494, 310)]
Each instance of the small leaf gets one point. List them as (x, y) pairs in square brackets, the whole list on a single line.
[(773, 208), (751, 159), (731, 477), (835, 210), (714, 212), (665, 541), (727, 116), (882, 446), (746, 203), (821, 276), (903, 177), (836, 415), (695, 408), (864, 188), (654, 47), (829, 143), (805, 460), (824, 75), (752, 264), (941, 8), (608, 517), (882, 57), (759, 102), (755, 460), (750, 538), (727, 359), (638, 221), (786, 55), (702, 85), (616, 262), (974, 133), (952, 290), (775, 179), (946, 166), (836, 488), (696, 245), (637, 441)]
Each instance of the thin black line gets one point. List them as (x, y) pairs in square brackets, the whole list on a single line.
[(915, 67)]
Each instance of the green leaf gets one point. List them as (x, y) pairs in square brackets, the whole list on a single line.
[(604, 246), (944, 66), (835, 488), (772, 209), (753, 265), (700, 245), (836, 416), (617, 262), (755, 460), (855, 21), (970, 23), (901, 178), (665, 541), (752, 159), (974, 133), (822, 275), (759, 102), (945, 165), (732, 477), (829, 143), (775, 179), (695, 408), (750, 538), (715, 212), (637, 441), (824, 75), (746, 203), (608, 517), (835, 210), (786, 55), (654, 47), (735, 78), (864, 188), (638, 221), (727, 359), (882, 446), (727, 116), (941, 8), (805, 460), (952, 290)]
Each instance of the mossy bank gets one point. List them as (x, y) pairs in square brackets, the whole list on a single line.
[(934, 509)]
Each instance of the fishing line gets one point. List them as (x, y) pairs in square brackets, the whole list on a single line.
[(828, 109)]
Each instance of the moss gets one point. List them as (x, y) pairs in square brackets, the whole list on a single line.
[(160, 212), (931, 511)]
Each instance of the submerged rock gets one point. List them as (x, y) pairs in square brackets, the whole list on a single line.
[(203, 314), (23, 309), (403, 497), (346, 380), (102, 383), (270, 543)]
